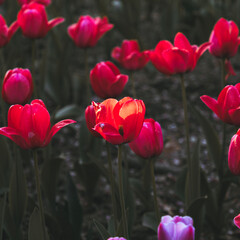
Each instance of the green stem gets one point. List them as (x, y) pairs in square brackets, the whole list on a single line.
[(34, 54), (133, 85), (111, 178), (223, 73), (121, 193), (154, 190), (39, 194), (87, 85), (186, 123), (3, 214)]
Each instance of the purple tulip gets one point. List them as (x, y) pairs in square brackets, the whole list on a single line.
[(176, 228)]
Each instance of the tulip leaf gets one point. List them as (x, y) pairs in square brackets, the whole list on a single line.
[(149, 220), (35, 230), (75, 212), (18, 192), (49, 178), (102, 230), (213, 143), (69, 111)]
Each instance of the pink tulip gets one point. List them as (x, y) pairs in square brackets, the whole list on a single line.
[(129, 55), (227, 106), (87, 31), (237, 220), (117, 238), (176, 228), (149, 142), (234, 154), (32, 19), (90, 117), (17, 86), (178, 58), (5, 32), (107, 81)]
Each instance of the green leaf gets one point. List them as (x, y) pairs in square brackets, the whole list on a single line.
[(69, 111), (213, 143), (18, 192), (149, 220), (35, 231), (102, 230), (49, 178), (75, 213)]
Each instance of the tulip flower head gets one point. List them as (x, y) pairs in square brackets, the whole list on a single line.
[(176, 228), (227, 106), (5, 32), (107, 81), (116, 238), (29, 125), (87, 31), (234, 154), (149, 142), (119, 121), (179, 58), (237, 220), (90, 117), (224, 41), (43, 2), (17, 86), (32, 19), (129, 55)]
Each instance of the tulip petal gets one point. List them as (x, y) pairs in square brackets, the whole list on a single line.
[(234, 155), (166, 231), (12, 29), (229, 69), (180, 41), (237, 220), (54, 22), (117, 87), (235, 116), (201, 49), (185, 232), (14, 116), (211, 103), (116, 53)]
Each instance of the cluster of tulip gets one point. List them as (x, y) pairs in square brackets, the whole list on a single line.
[(122, 121)]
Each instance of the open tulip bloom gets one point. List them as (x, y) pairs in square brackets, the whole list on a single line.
[(176, 228), (29, 125), (119, 121), (227, 106), (129, 55), (178, 58), (87, 31), (32, 19)]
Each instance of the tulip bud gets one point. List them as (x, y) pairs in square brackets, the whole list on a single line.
[(149, 142), (17, 86), (32, 19), (176, 228), (129, 55), (107, 81), (234, 154), (87, 31)]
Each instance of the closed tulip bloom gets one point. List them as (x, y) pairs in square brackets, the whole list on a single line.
[(234, 154), (176, 228), (237, 220), (119, 121), (178, 58), (227, 106), (17, 86), (107, 81), (129, 55), (29, 125), (43, 2), (32, 19), (5, 32), (149, 142), (87, 31), (90, 117)]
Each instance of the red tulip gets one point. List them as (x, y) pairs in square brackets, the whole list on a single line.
[(234, 154), (227, 106), (237, 220), (106, 80), (119, 121), (129, 55), (17, 86), (29, 125), (149, 142), (43, 2), (90, 117), (32, 19), (180, 58), (87, 31), (5, 32)]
